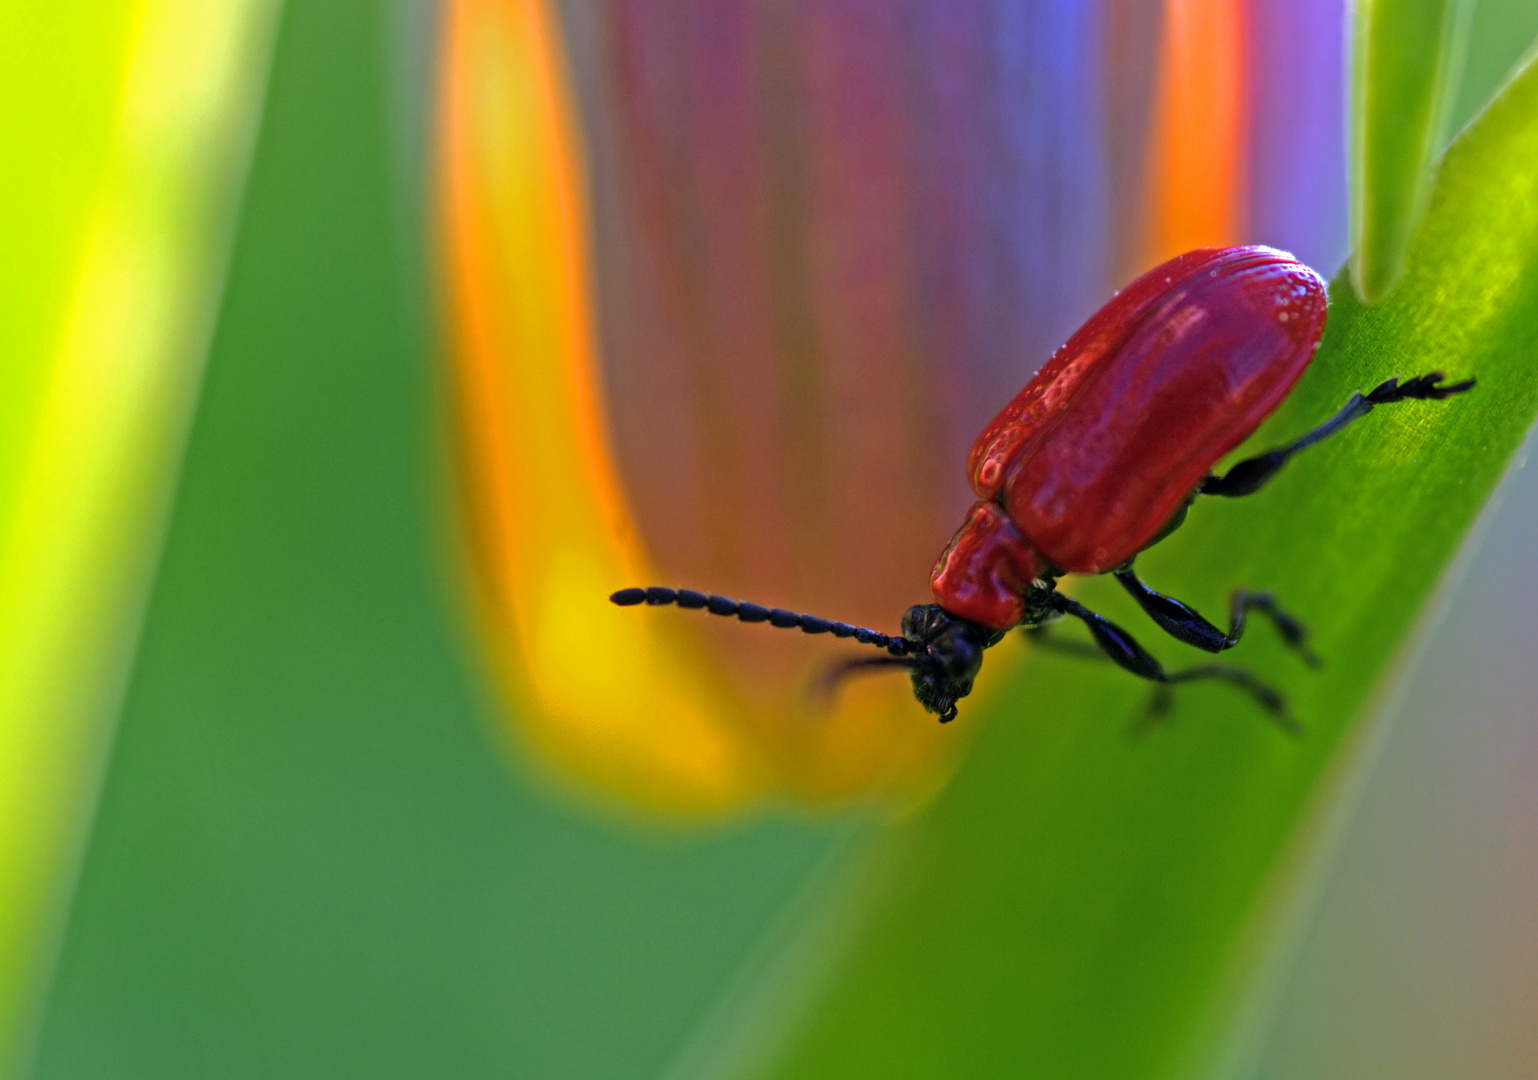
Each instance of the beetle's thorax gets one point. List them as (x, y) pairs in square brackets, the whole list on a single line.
[(985, 573)]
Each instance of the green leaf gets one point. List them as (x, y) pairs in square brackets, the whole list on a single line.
[(1409, 55), (1084, 904)]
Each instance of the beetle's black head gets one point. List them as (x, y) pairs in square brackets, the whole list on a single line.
[(947, 654)]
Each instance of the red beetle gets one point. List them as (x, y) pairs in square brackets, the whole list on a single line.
[(1100, 457)]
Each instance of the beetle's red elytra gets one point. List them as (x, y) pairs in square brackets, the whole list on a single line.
[(1098, 458), (1110, 438)]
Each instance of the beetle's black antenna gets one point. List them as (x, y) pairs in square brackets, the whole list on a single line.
[(657, 596)]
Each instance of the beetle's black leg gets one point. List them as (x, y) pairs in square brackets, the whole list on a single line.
[(1252, 474), (1267, 697), (1122, 648), (1041, 637), (1186, 624), (841, 670)]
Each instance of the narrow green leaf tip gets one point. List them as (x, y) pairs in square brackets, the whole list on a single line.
[(1405, 75)]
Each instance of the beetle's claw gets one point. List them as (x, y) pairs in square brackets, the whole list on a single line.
[(1295, 636), (1439, 393), (1289, 724), (1153, 714), (1425, 387)]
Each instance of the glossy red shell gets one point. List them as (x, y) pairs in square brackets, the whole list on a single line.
[(1101, 448)]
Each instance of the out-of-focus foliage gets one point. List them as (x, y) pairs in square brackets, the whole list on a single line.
[(123, 142), (1081, 904), (1406, 75), (310, 857)]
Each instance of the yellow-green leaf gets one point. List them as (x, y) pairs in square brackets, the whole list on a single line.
[(125, 136)]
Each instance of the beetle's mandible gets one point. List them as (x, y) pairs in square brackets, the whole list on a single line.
[(1099, 457)]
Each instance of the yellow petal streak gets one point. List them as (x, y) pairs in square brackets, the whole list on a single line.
[(625, 699), (130, 243)]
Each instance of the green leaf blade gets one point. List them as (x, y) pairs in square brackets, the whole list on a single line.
[(1082, 904)]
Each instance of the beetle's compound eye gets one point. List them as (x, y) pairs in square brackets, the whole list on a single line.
[(923, 621)]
